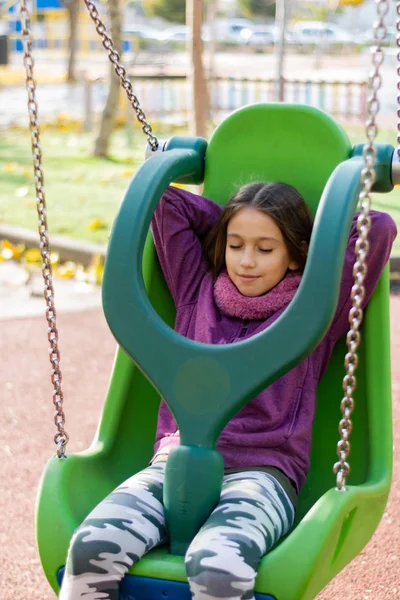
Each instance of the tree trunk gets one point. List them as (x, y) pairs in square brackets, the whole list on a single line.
[(211, 18), (73, 15), (194, 20), (111, 107), (281, 20)]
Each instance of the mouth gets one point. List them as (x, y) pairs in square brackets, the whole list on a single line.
[(248, 277)]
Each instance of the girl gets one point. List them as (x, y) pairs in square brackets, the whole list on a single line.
[(231, 271)]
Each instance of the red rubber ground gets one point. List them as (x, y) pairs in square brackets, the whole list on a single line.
[(26, 433)]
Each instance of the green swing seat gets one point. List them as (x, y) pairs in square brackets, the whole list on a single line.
[(206, 385)]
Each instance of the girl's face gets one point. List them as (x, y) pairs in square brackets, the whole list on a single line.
[(256, 255)]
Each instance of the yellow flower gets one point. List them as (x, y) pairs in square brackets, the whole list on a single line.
[(62, 117), (10, 167), (66, 271), (32, 255), (98, 268), (10, 251), (54, 258), (96, 224)]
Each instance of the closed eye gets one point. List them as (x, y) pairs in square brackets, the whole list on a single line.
[(234, 247), (266, 249)]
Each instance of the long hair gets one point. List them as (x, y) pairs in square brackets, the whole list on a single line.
[(280, 201)]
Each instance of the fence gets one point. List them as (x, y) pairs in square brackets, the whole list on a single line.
[(167, 98)]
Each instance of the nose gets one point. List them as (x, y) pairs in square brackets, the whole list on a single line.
[(248, 260)]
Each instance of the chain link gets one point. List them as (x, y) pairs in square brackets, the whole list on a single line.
[(61, 437), (342, 467), (121, 72)]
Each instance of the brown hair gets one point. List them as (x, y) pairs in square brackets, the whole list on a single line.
[(282, 203)]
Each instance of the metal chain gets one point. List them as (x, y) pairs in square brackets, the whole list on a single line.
[(398, 77), (61, 437), (121, 72), (342, 467)]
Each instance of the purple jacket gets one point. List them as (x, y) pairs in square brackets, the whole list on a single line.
[(274, 429)]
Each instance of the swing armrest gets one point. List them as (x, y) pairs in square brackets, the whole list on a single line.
[(334, 531), (61, 507)]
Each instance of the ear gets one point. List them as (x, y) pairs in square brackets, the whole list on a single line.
[(304, 247), (293, 265)]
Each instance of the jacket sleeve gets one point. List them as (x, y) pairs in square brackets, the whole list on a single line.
[(381, 236), (178, 221)]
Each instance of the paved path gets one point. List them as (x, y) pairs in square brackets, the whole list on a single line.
[(26, 432), (21, 293)]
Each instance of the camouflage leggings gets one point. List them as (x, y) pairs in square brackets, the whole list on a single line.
[(222, 560)]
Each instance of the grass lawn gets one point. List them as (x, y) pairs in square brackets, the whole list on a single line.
[(80, 189), (83, 193)]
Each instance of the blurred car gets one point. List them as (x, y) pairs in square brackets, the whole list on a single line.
[(179, 34), (141, 31), (235, 26), (314, 32), (230, 30), (224, 30), (259, 36)]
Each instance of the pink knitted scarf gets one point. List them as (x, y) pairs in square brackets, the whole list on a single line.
[(232, 303)]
